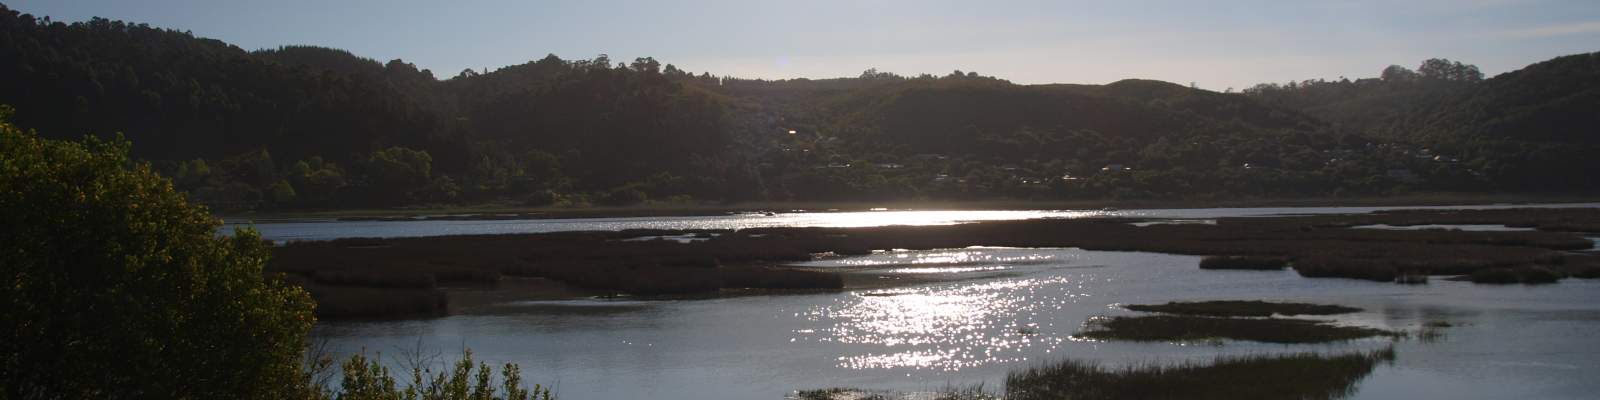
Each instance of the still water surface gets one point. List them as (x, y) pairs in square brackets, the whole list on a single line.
[(1007, 308), (981, 313), (330, 229)]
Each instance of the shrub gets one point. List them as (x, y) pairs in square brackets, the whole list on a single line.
[(367, 379), (117, 286)]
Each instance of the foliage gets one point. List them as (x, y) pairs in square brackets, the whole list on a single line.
[(116, 286), (367, 379)]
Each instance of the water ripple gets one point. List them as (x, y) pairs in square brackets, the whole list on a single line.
[(944, 327)]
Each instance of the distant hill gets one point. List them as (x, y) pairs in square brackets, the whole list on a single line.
[(311, 127), (1554, 101), (1531, 129), (180, 98)]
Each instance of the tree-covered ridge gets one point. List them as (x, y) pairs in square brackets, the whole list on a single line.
[(181, 97), (1556, 101), (312, 127), (1532, 129), (250, 127)]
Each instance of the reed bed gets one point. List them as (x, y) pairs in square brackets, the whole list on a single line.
[(1242, 308), (1185, 328), (1294, 376), (1244, 262)]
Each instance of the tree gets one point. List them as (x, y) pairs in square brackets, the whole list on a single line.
[(398, 171), (1396, 73), (116, 286), (1446, 70), (282, 193), (646, 65)]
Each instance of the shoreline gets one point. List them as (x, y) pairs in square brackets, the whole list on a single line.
[(493, 211)]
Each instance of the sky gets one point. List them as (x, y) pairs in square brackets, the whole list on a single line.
[(1213, 44)]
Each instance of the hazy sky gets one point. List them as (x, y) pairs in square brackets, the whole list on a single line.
[(1216, 44)]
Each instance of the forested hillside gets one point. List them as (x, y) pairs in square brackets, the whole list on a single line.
[(1535, 129), (304, 127)]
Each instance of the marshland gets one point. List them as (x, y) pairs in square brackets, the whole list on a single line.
[(929, 303)]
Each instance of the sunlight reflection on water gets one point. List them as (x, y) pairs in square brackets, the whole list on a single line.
[(945, 327)]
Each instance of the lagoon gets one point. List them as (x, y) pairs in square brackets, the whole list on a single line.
[(1000, 309)]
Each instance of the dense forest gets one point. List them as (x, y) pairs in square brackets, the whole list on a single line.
[(305, 127)]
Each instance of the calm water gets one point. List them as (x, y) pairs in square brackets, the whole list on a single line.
[(989, 310), (328, 229), (1009, 308)]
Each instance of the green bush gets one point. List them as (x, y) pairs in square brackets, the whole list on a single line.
[(116, 286)]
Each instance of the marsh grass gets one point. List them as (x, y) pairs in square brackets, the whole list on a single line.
[(1524, 274), (839, 394), (397, 280), (1295, 376), (1244, 262), (378, 304), (1242, 308), (1197, 329), (971, 392)]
